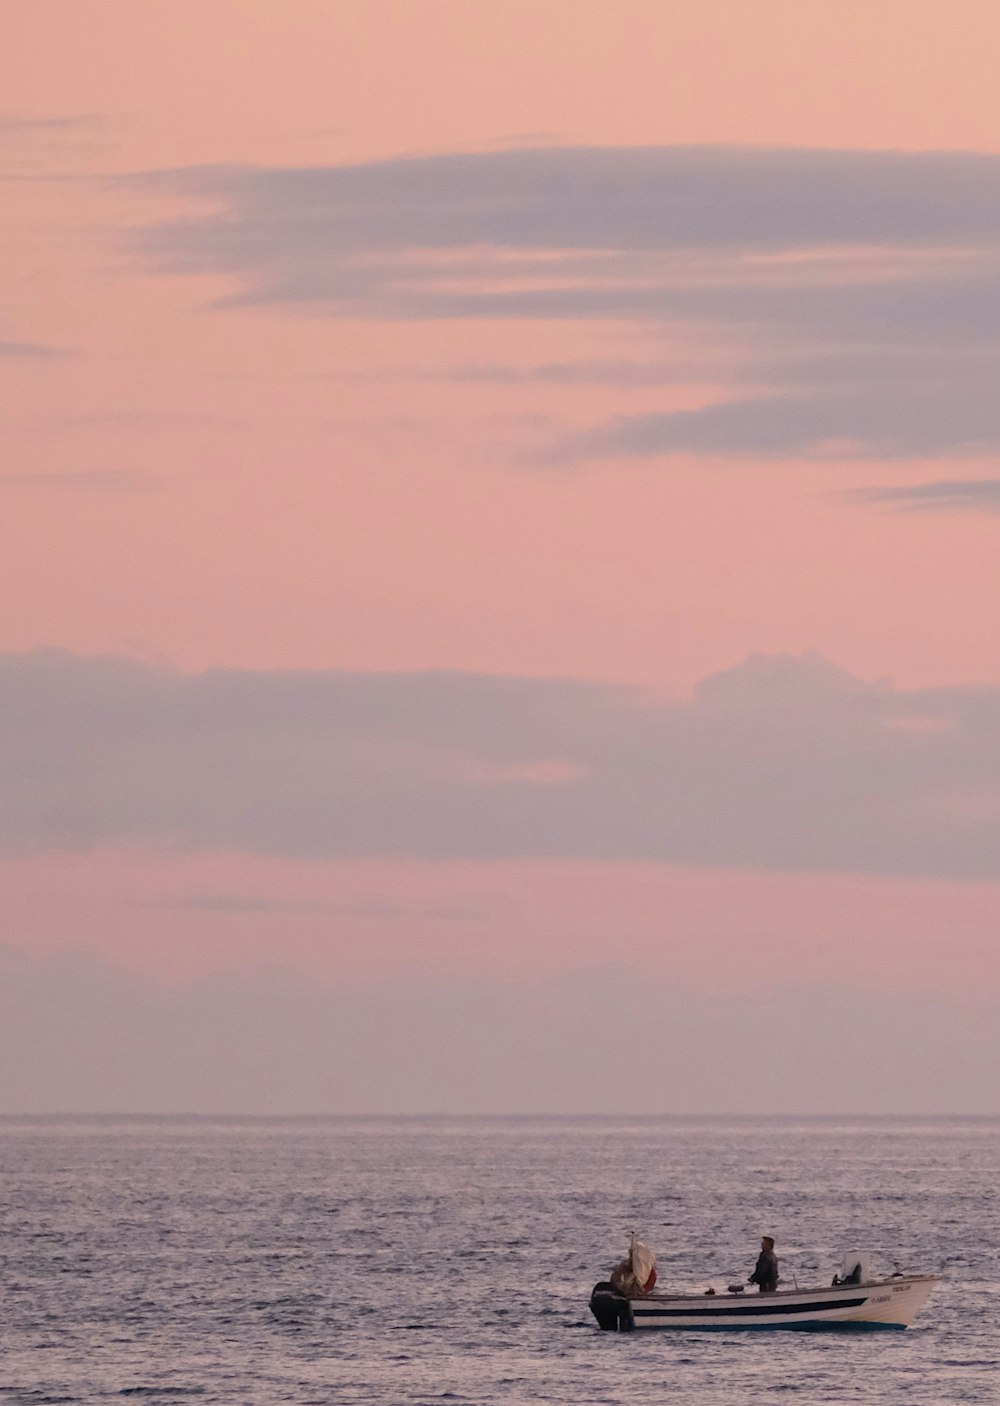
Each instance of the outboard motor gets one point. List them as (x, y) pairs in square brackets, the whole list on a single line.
[(611, 1309)]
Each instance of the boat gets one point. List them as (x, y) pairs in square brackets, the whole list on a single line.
[(854, 1301)]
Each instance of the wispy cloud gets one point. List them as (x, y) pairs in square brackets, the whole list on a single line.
[(30, 351), (597, 201), (19, 124), (784, 763), (50, 146), (378, 911), (814, 270), (948, 495), (863, 422), (366, 910), (237, 903), (619, 372)]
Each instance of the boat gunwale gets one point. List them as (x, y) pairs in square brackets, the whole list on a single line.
[(714, 1301)]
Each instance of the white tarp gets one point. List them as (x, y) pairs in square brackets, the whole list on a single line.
[(633, 1274), (643, 1262)]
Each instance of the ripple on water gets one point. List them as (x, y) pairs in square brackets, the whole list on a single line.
[(250, 1264)]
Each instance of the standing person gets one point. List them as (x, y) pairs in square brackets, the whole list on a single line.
[(765, 1274)]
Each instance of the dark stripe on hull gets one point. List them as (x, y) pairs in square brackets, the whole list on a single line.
[(833, 1325), (748, 1310)]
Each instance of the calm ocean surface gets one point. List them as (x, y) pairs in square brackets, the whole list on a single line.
[(450, 1260)]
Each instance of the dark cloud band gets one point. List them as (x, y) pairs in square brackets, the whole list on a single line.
[(588, 198), (786, 764)]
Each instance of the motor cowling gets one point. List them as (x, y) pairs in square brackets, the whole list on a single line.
[(611, 1309)]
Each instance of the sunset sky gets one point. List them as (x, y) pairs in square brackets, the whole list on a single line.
[(500, 520)]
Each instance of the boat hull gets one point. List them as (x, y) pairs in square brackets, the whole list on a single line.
[(890, 1303)]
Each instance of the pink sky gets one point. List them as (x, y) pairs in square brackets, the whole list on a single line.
[(270, 413)]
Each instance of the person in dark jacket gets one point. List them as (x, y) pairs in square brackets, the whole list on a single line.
[(765, 1274)]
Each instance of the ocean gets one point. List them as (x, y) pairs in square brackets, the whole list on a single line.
[(450, 1260)]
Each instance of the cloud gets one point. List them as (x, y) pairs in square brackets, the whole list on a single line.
[(378, 911), (31, 142), (369, 910), (30, 351), (598, 200), (237, 903), (13, 124), (593, 371), (784, 763), (981, 495), (870, 422), (821, 270)]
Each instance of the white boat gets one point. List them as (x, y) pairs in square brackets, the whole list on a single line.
[(881, 1303), (857, 1301)]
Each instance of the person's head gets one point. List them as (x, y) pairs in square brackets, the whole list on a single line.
[(767, 1242)]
